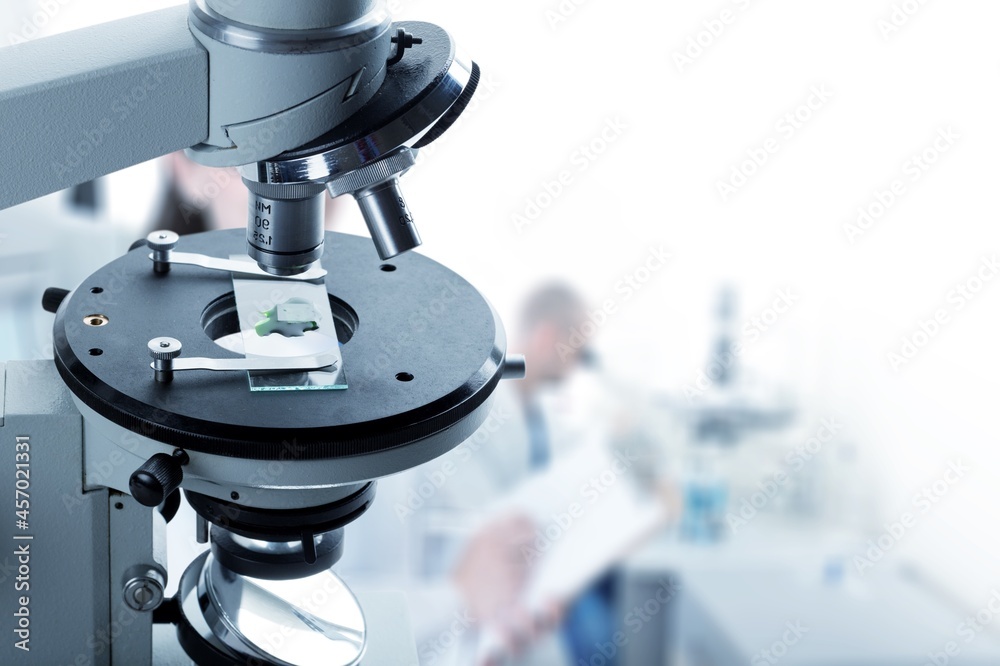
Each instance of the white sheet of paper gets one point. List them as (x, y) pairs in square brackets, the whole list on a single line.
[(590, 511)]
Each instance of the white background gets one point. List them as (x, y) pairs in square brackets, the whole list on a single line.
[(557, 84)]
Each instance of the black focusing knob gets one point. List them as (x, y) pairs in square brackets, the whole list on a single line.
[(53, 298), (159, 476)]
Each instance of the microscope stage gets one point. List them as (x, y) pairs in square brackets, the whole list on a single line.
[(422, 348)]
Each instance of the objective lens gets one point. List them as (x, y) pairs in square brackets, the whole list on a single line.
[(388, 218), (285, 229)]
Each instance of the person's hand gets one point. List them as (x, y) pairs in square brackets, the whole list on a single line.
[(671, 499), (491, 577)]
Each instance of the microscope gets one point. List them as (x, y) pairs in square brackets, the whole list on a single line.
[(272, 376)]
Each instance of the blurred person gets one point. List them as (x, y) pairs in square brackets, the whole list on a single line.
[(550, 317), (200, 198), (485, 562)]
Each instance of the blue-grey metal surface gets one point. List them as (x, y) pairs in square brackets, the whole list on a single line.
[(130, 540), (90, 102), (54, 564)]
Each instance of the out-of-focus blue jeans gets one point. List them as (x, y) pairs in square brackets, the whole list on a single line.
[(590, 625)]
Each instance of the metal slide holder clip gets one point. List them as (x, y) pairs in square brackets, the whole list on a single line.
[(163, 255), (166, 352)]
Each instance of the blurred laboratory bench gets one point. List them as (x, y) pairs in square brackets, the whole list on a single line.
[(794, 597)]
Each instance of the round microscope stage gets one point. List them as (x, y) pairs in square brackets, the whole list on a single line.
[(422, 349)]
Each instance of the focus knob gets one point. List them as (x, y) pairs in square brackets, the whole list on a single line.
[(159, 476), (53, 298)]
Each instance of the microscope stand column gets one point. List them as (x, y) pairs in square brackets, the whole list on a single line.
[(74, 562)]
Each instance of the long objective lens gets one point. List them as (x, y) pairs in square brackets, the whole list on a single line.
[(388, 218)]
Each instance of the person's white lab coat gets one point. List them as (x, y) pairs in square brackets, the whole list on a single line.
[(423, 519)]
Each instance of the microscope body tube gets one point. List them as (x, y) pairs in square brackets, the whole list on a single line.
[(293, 14), (90, 102)]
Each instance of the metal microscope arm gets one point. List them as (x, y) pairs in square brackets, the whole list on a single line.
[(84, 104), (236, 82)]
